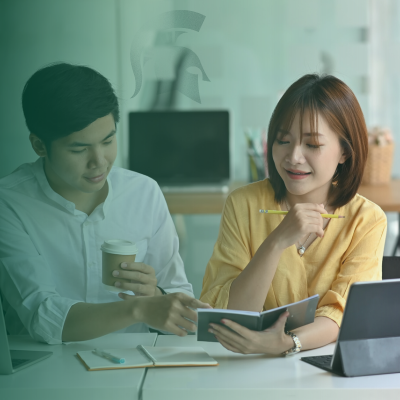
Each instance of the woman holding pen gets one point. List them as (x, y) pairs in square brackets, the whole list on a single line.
[(317, 148)]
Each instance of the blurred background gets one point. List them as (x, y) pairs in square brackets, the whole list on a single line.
[(247, 53)]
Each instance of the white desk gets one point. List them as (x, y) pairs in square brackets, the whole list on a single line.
[(62, 376), (255, 377)]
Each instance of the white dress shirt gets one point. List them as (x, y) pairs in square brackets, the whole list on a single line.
[(50, 255)]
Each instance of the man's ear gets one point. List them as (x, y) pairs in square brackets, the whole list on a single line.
[(38, 145)]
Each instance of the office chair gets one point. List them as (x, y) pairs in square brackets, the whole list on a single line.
[(391, 267)]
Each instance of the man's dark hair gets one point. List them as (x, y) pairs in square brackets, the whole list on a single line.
[(61, 98)]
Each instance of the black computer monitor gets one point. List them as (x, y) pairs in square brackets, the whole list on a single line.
[(180, 147)]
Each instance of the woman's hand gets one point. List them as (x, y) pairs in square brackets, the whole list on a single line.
[(137, 277), (302, 220), (242, 340)]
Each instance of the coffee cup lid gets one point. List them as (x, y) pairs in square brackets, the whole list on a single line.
[(123, 247)]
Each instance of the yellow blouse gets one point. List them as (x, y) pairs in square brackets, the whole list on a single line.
[(350, 251)]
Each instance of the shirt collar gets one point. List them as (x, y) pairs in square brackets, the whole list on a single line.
[(38, 170)]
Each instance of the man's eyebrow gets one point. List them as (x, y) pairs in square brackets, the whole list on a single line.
[(79, 144)]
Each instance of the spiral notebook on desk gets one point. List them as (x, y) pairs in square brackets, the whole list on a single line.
[(148, 357)]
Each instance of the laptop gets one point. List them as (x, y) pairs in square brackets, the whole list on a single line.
[(14, 360), (369, 337), (183, 151)]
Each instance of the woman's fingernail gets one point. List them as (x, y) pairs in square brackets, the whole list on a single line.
[(115, 273), (223, 321), (211, 331), (124, 265), (118, 284)]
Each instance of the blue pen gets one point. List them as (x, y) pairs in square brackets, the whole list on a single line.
[(109, 356)]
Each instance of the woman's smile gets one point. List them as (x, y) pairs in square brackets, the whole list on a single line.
[(296, 174)]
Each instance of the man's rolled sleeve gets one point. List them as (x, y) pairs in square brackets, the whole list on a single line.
[(26, 282), (48, 322), (27, 287)]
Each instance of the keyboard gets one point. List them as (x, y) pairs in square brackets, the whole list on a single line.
[(16, 362), (323, 362)]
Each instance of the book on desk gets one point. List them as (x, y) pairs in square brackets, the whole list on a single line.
[(149, 357)]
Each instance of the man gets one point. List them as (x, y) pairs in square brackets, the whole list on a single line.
[(55, 214)]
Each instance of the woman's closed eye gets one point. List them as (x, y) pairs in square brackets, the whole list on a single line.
[(313, 146), (309, 145), (281, 141)]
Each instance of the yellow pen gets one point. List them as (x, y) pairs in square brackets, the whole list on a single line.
[(285, 212)]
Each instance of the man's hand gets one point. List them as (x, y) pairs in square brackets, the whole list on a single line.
[(137, 277), (172, 312)]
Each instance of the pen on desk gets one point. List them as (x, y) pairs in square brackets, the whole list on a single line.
[(109, 356), (285, 212)]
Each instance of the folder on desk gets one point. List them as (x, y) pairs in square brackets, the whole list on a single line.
[(149, 357)]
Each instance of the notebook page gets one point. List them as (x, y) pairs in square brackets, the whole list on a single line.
[(175, 356), (300, 313), (133, 359), (283, 308)]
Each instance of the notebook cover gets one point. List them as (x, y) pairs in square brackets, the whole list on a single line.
[(179, 356), (206, 316)]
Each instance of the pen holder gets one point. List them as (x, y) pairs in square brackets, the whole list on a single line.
[(256, 166), (256, 139)]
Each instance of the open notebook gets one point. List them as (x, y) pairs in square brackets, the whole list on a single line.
[(147, 357), (301, 313)]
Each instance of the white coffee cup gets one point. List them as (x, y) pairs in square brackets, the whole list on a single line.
[(116, 252)]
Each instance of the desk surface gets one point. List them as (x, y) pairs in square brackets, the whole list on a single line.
[(259, 377), (62, 376), (386, 196)]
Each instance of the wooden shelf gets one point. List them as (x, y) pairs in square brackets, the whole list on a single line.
[(386, 196), (199, 203)]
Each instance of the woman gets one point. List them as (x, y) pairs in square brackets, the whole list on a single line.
[(316, 155)]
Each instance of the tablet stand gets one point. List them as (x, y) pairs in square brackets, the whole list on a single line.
[(370, 356)]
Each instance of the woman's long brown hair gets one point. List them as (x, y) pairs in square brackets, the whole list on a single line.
[(333, 100)]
